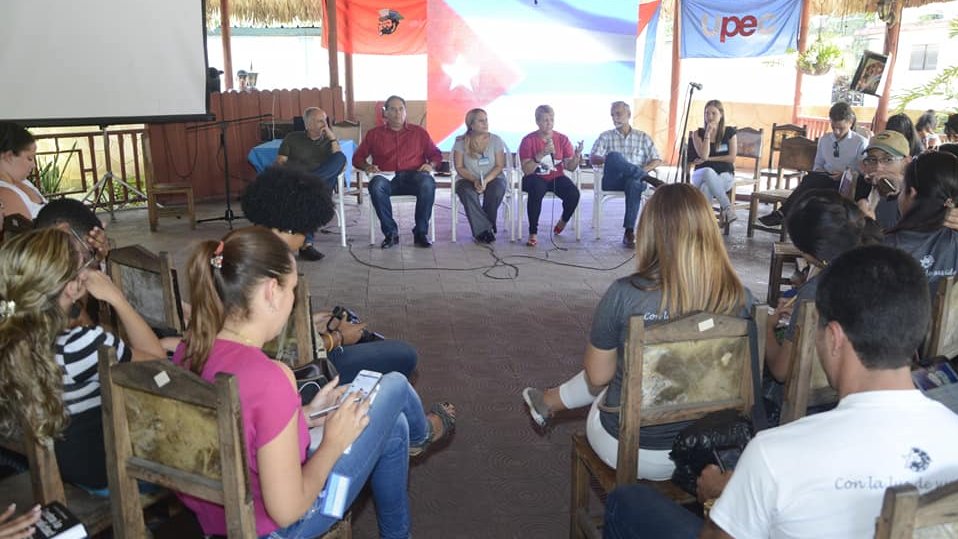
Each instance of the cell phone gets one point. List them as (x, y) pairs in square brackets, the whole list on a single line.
[(364, 386), (727, 457)]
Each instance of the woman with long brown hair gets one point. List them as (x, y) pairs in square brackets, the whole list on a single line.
[(480, 157), (48, 370), (242, 295), (713, 152), (681, 267)]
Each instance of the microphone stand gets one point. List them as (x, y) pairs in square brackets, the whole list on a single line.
[(223, 125), (683, 165)]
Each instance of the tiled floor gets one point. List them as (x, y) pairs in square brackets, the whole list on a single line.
[(483, 333)]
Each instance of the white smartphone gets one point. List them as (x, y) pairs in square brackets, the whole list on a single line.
[(364, 386)]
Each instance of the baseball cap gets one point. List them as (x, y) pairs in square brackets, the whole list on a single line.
[(891, 142)]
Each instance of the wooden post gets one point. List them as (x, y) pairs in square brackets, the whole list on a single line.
[(329, 26), (892, 31), (227, 45), (802, 45), (350, 94), (676, 76)]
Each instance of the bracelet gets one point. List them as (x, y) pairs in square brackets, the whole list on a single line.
[(327, 347)]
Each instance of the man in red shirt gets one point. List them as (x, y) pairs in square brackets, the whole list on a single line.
[(407, 152)]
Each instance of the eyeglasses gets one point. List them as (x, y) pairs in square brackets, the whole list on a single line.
[(90, 259), (880, 160), (835, 149)]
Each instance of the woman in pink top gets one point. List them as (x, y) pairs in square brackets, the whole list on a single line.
[(242, 294)]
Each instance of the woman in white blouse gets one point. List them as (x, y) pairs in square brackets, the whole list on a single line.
[(18, 149)]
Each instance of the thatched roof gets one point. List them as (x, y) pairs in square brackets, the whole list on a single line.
[(310, 12)]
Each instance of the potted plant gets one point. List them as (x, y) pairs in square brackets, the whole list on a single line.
[(819, 58)]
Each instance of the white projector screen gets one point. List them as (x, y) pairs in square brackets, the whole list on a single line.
[(101, 62)]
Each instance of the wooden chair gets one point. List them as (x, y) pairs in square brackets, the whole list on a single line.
[(782, 253), (165, 190), (147, 408), (905, 511), (797, 154), (149, 283), (696, 364), (14, 225), (749, 146), (943, 338), (806, 384), (297, 344), (781, 132)]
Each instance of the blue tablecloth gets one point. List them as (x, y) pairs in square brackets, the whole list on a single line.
[(264, 155)]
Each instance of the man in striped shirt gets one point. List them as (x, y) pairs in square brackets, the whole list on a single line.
[(628, 155)]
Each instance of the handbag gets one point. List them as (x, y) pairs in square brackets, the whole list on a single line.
[(696, 445)]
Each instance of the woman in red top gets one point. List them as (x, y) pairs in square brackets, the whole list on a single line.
[(545, 154)]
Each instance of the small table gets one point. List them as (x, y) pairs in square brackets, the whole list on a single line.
[(264, 155)]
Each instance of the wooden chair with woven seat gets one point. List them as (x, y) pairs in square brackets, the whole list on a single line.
[(943, 335), (906, 513), (165, 191), (297, 344), (676, 371), (797, 153), (806, 385), (148, 281), (147, 408), (778, 171)]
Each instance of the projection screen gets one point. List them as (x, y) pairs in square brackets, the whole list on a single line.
[(101, 62)]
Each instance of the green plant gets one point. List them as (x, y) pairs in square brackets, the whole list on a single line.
[(819, 58), (944, 84), (51, 173)]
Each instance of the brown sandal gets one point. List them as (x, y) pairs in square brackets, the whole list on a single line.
[(446, 413)]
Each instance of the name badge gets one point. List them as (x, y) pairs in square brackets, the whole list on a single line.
[(721, 148), (483, 161)]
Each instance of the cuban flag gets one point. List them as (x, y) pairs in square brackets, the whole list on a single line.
[(509, 56)]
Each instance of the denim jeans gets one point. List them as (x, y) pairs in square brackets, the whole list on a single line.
[(381, 455), (410, 182), (380, 356), (639, 511), (714, 185), (536, 187), (482, 216), (620, 175), (328, 171)]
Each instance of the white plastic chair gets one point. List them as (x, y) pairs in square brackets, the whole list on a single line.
[(521, 197), (374, 219), (601, 197), (340, 194), (508, 201)]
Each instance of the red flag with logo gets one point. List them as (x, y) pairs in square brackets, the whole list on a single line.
[(379, 26)]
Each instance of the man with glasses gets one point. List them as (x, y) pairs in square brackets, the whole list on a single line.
[(838, 151), (883, 170), (407, 154)]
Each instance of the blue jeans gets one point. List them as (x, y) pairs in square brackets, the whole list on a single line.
[(328, 171), (380, 356), (638, 511), (620, 175), (380, 454), (410, 182)]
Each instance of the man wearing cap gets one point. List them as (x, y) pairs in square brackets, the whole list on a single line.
[(883, 170), (628, 155), (838, 151), (317, 151)]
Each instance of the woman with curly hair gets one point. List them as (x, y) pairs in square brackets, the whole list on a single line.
[(48, 370), (290, 202)]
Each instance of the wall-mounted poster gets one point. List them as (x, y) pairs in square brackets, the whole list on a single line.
[(868, 75)]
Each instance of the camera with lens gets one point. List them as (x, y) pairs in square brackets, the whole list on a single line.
[(367, 336)]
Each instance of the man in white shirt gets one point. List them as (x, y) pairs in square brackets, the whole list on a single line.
[(628, 155), (825, 475)]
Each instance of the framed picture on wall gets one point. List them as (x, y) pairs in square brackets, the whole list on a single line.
[(869, 73)]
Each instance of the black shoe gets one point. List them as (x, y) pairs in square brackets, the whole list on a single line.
[(628, 239), (486, 237), (310, 254), (653, 181), (420, 240), (389, 241), (773, 219)]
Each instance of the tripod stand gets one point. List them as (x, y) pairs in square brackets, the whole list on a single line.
[(108, 180), (223, 125), (683, 164)]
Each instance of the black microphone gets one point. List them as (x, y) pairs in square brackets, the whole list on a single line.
[(696, 85)]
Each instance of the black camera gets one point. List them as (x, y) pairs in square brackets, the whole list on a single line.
[(353, 318)]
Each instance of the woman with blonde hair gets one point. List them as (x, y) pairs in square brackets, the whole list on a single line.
[(713, 152), (682, 267), (480, 157), (242, 294), (48, 370)]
